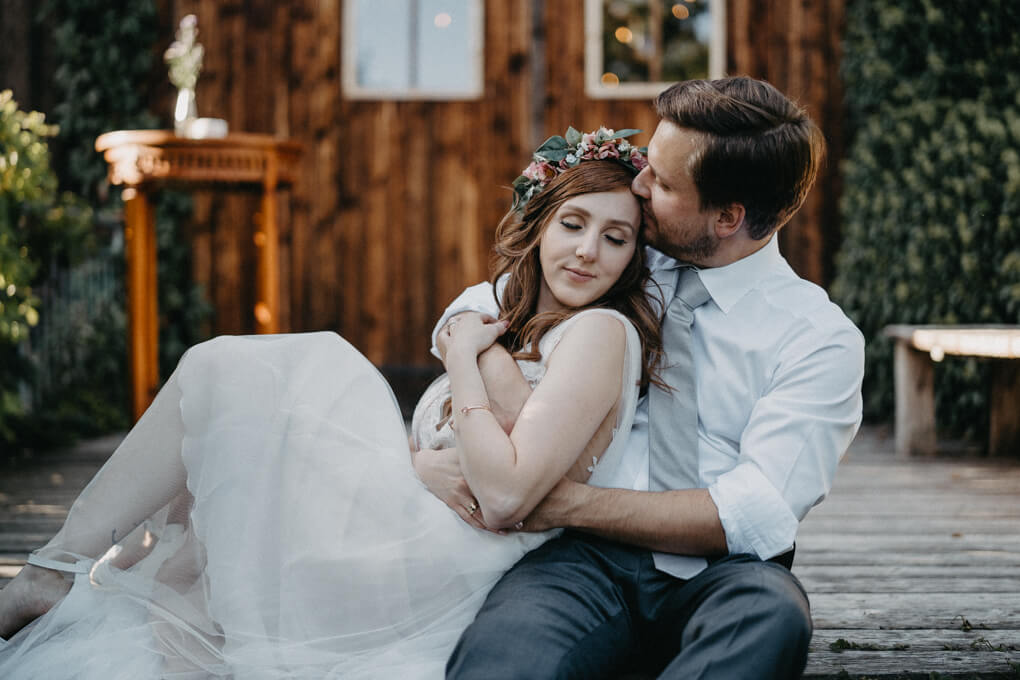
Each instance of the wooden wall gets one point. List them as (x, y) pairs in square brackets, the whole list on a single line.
[(398, 200), (796, 46)]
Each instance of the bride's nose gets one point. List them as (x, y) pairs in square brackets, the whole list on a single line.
[(587, 249)]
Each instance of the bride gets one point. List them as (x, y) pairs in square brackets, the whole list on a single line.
[(263, 518)]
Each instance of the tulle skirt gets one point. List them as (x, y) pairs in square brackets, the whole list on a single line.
[(304, 546)]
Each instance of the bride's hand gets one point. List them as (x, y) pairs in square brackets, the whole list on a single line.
[(439, 470), (472, 334)]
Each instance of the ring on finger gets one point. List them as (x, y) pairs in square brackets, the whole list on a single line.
[(473, 508)]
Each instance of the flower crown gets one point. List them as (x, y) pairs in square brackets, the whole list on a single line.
[(559, 154)]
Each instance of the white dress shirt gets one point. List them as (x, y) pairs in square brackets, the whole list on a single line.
[(779, 370)]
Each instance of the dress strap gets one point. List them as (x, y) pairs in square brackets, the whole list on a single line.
[(80, 566)]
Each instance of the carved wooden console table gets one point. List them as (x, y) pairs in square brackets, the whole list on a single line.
[(144, 160)]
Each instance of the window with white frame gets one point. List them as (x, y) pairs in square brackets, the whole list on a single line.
[(413, 49), (637, 48)]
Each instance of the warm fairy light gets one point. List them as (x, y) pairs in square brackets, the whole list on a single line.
[(999, 343), (262, 313), (442, 20), (681, 12), (624, 34), (610, 79)]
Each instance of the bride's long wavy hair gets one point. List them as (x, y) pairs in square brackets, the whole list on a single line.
[(516, 254)]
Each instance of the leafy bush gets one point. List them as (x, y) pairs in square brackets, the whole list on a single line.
[(931, 202), (101, 59), (38, 225)]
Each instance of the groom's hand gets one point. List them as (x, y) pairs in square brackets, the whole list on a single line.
[(439, 470), (555, 510)]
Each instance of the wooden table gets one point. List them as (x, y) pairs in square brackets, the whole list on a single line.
[(918, 346), (144, 160)]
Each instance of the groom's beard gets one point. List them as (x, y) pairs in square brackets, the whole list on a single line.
[(685, 242)]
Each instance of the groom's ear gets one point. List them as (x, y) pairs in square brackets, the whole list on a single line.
[(729, 219)]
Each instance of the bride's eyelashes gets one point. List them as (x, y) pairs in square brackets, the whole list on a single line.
[(576, 227)]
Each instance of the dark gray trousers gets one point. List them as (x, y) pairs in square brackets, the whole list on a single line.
[(585, 607)]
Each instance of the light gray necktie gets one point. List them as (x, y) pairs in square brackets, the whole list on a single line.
[(673, 416)]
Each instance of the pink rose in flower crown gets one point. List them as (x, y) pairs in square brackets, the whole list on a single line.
[(560, 153), (540, 171), (638, 160)]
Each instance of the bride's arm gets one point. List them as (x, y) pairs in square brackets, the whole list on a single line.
[(510, 473), (507, 390), (505, 385)]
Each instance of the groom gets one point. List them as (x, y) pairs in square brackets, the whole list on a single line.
[(691, 579)]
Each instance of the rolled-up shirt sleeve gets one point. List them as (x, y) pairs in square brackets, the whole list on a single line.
[(796, 434), (477, 298)]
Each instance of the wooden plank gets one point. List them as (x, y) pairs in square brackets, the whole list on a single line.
[(915, 402), (826, 558), (421, 308), (890, 543), (1004, 398), (913, 610), (891, 578), (914, 652), (919, 506), (1006, 523)]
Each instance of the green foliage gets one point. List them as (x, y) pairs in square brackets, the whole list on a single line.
[(931, 203), (38, 226), (104, 62), (103, 59)]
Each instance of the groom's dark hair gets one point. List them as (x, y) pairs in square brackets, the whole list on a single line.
[(758, 148)]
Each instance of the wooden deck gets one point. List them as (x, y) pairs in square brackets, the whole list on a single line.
[(913, 566)]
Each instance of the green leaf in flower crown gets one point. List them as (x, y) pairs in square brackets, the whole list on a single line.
[(555, 155), (520, 182), (573, 136), (620, 134), (554, 143)]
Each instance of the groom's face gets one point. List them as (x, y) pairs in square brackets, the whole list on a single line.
[(675, 221)]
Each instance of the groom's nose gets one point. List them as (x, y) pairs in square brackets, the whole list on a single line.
[(640, 184)]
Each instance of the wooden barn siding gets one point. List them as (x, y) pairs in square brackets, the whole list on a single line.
[(796, 46), (398, 201)]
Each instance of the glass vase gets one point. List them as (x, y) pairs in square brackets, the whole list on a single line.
[(184, 111)]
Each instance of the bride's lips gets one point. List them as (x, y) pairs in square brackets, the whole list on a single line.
[(578, 275)]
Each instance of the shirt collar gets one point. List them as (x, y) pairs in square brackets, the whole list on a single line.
[(728, 284)]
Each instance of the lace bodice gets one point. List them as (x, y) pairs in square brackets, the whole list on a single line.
[(430, 428)]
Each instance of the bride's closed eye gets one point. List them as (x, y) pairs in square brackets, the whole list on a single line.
[(570, 225)]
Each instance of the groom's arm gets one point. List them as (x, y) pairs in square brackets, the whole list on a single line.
[(789, 449), (685, 522)]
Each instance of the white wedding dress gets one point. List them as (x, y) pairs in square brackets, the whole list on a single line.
[(304, 546)]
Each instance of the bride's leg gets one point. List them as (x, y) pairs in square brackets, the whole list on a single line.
[(143, 475)]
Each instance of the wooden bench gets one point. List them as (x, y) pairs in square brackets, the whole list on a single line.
[(917, 347)]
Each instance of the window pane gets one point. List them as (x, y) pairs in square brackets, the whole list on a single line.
[(637, 48), (404, 49), (655, 40), (383, 48), (445, 61)]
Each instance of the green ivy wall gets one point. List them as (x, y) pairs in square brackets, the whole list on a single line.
[(931, 199)]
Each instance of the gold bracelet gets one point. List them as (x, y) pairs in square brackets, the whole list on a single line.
[(483, 407)]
